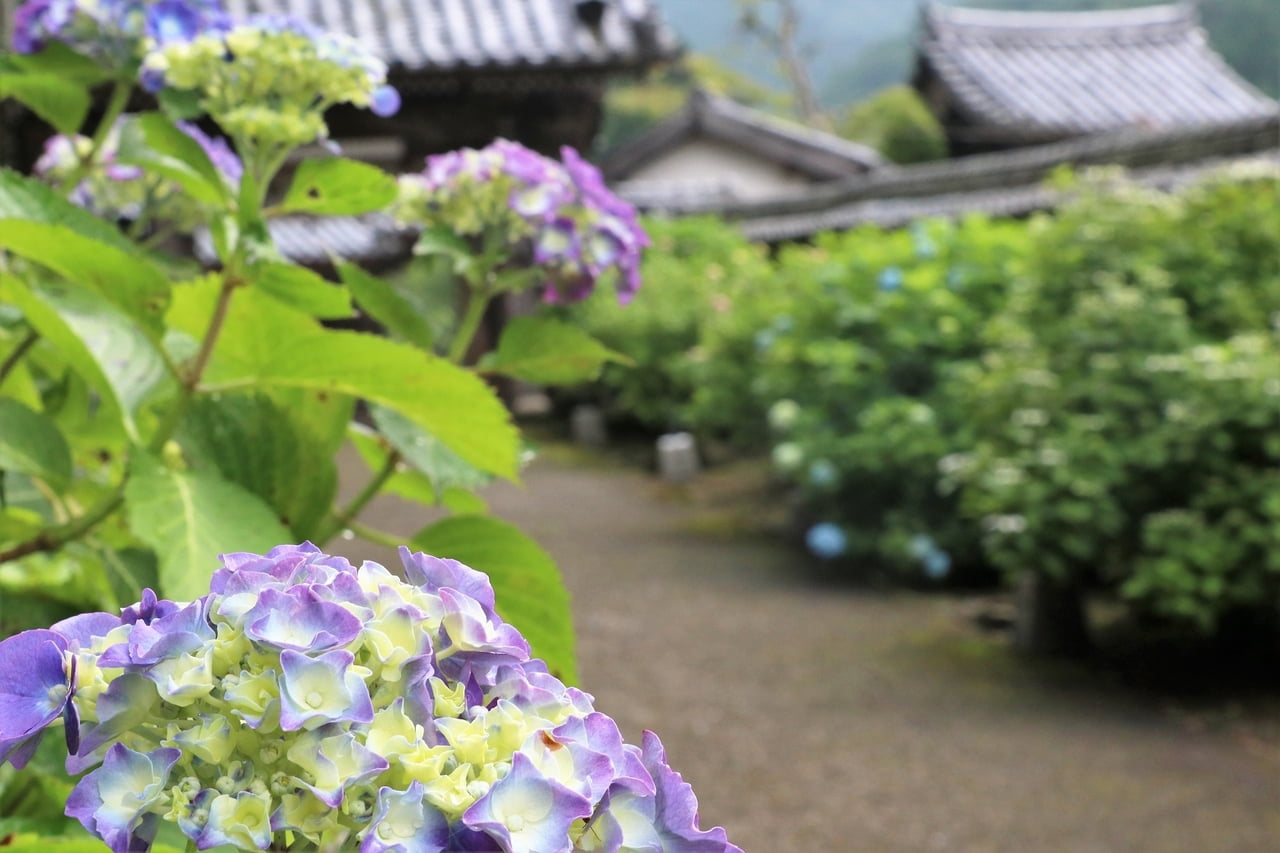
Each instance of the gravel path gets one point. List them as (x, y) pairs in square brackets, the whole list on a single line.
[(813, 720)]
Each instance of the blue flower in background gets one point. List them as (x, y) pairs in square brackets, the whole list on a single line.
[(765, 339), (890, 279), (784, 324), (955, 278), (937, 564), (924, 246), (826, 540), (823, 473), (921, 546)]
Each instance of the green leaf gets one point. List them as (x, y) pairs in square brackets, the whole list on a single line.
[(155, 143), (72, 577), (380, 301), (190, 517), (407, 483), (31, 200), (130, 571), (32, 444), (266, 345), (546, 351), (338, 187), (426, 453), (441, 240), (62, 103), (252, 442), (125, 278), (459, 501), (303, 289), (103, 345), (530, 592), (61, 61)]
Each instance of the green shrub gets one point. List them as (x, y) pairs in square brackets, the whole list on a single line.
[(696, 269), (855, 377), (1127, 412)]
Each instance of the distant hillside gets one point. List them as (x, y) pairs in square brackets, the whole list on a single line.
[(860, 46)]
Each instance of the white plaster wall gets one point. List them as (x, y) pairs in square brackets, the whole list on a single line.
[(707, 162)]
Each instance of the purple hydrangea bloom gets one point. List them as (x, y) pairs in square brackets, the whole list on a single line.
[(35, 689), (340, 705), (528, 812), (116, 801), (556, 216)]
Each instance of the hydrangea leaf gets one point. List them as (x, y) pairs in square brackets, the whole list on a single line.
[(124, 277), (381, 302), (546, 351), (33, 201), (256, 444), (266, 345), (530, 592), (336, 186), (190, 517), (156, 144), (426, 453), (55, 58), (303, 289), (32, 444), (408, 483), (60, 102), (106, 347)]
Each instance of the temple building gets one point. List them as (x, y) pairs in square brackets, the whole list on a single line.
[(715, 153), (998, 80)]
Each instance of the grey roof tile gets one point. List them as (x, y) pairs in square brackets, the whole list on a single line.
[(1006, 183), (1065, 73), (455, 35)]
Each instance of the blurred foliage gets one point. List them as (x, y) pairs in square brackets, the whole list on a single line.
[(1127, 409), (896, 122), (697, 268), (1092, 394)]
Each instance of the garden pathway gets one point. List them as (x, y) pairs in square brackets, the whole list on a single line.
[(819, 720)]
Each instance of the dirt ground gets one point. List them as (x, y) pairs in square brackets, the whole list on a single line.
[(813, 719)]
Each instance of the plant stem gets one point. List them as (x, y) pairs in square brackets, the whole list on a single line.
[(372, 534), (120, 93), (55, 537), (346, 516), (477, 302), (191, 381), (11, 361)]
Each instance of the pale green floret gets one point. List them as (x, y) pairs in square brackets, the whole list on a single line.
[(186, 679), (243, 820), (208, 740)]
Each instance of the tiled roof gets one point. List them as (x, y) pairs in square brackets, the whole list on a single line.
[(314, 240), (1056, 74), (1006, 183), (821, 156), (458, 35)]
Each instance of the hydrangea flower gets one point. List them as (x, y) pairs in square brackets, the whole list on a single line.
[(554, 217), (826, 540), (890, 279), (306, 699), (783, 415), (119, 191), (268, 78), (113, 32)]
